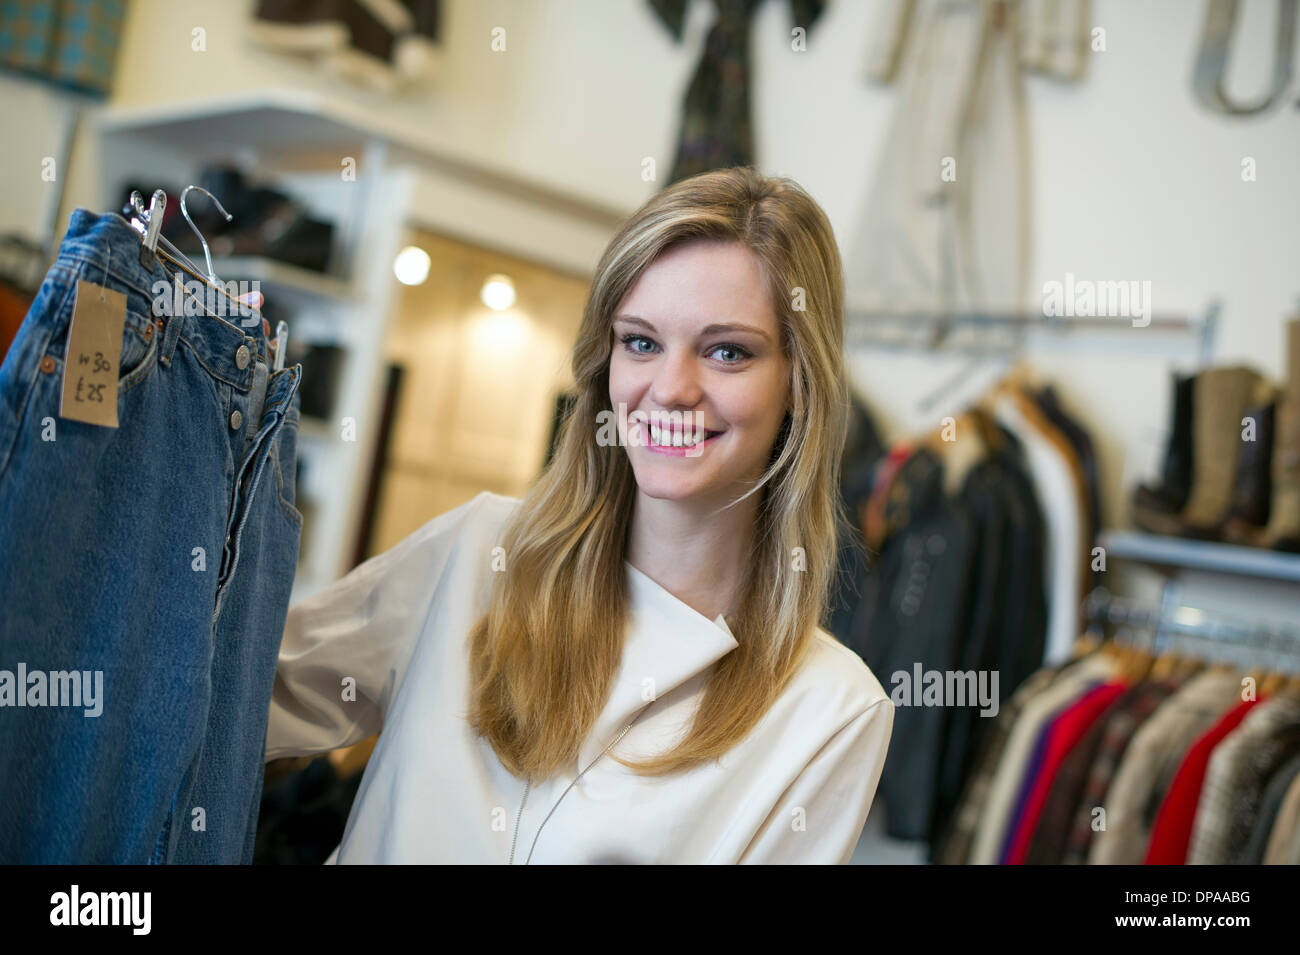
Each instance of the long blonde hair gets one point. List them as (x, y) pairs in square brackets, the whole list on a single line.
[(544, 656)]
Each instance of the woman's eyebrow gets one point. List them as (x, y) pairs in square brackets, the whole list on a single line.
[(707, 330)]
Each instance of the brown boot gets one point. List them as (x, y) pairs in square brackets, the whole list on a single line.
[(1223, 396), (1283, 530)]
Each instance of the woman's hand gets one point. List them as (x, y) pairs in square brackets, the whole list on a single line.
[(255, 300)]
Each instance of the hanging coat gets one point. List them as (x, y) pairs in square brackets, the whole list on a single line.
[(796, 789), (945, 226)]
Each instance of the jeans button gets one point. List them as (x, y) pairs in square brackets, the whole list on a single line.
[(236, 419), (241, 357)]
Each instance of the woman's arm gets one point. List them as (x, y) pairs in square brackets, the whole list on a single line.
[(820, 816), (346, 648)]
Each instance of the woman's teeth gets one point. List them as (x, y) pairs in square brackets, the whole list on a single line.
[(666, 437)]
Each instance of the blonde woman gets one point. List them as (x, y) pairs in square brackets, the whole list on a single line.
[(626, 666)]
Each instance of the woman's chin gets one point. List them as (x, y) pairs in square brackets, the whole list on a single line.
[(667, 489)]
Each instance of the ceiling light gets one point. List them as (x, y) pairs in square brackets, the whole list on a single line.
[(498, 292), (411, 265)]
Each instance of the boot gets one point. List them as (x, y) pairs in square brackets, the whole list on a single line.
[(1223, 396), (1283, 530), (1252, 486), (1155, 509)]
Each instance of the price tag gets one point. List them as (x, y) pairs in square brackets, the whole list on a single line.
[(94, 353)]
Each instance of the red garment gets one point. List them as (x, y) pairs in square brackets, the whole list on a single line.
[(1066, 730), (1171, 836), (873, 520), (13, 309)]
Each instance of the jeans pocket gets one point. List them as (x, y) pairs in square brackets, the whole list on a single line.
[(141, 337), (140, 343), (31, 376)]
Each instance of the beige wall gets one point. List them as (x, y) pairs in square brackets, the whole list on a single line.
[(479, 386), (1131, 178)]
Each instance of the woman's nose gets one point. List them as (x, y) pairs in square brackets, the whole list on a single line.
[(676, 381)]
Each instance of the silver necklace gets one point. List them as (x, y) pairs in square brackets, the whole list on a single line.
[(528, 785)]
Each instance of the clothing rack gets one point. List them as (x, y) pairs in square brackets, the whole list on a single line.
[(1169, 623), (933, 331)]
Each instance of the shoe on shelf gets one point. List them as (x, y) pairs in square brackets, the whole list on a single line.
[(1155, 509), (1283, 530), (1223, 398), (1252, 486)]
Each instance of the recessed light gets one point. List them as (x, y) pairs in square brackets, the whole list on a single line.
[(411, 265), (498, 292)]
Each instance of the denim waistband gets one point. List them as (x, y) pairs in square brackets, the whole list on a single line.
[(98, 246)]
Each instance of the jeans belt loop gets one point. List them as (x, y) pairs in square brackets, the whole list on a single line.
[(256, 400), (174, 322)]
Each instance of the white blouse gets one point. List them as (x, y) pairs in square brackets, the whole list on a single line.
[(386, 648)]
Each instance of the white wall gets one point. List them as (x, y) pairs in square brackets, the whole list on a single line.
[(1131, 178)]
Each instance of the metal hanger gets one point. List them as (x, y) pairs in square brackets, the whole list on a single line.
[(207, 253), (148, 222), (1000, 357)]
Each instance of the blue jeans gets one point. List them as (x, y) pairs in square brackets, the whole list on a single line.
[(159, 555)]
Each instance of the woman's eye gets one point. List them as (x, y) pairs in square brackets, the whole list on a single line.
[(627, 343), (741, 354)]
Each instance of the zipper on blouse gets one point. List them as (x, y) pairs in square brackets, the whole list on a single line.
[(518, 815), (527, 785)]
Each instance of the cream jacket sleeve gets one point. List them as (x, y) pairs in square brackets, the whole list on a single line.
[(819, 818), (346, 648)]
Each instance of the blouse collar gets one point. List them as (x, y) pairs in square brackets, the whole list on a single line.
[(666, 643)]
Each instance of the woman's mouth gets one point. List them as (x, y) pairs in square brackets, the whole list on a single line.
[(680, 442)]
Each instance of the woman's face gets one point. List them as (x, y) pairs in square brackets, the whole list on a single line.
[(697, 333)]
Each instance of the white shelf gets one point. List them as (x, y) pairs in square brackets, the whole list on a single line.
[(282, 123), (280, 120), (1201, 555), (283, 279)]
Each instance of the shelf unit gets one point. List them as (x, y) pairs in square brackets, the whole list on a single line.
[(452, 193), (281, 279), (1212, 578), (1174, 553)]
